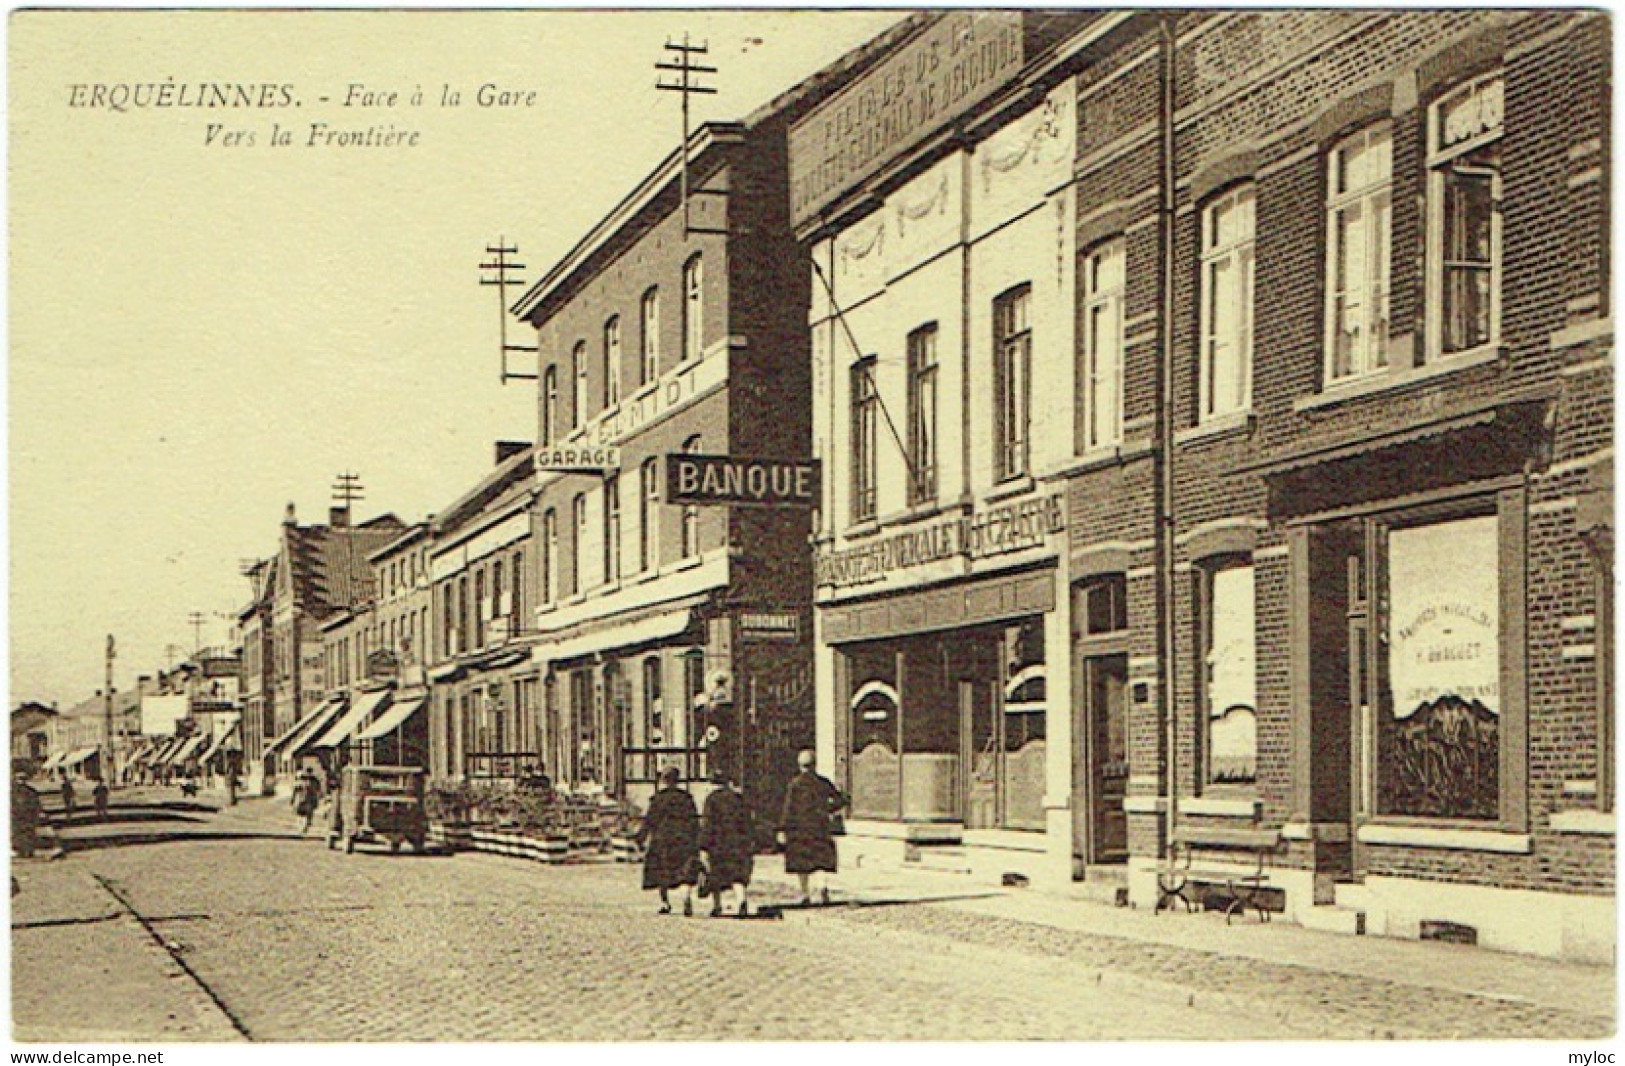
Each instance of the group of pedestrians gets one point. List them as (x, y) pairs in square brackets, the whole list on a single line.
[(716, 848)]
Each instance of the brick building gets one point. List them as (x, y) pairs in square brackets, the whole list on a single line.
[(1328, 393), (672, 634)]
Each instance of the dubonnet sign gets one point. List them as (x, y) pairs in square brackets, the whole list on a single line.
[(997, 531)]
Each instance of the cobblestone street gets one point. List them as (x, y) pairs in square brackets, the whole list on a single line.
[(249, 932)]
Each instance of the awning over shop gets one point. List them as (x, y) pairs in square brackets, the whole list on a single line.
[(392, 719), (53, 762), (641, 631), (77, 756), (218, 742), (291, 741), (189, 749), (366, 705)]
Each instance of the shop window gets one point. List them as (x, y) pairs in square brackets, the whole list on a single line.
[(922, 414), (1464, 218), (865, 428), (1012, 381), (578, 370), (612, 361), (1229, 674), (1025, 727), (550, 403), (1438, 734), (654, 717), (612, 528), (1227, 303), (873, 706), (1105, 605), (1100, 373), (691, 513), (550, 554), (648, 515), (1359, 218), (693, 308), (650, 339)]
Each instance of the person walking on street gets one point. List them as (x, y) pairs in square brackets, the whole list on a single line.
[(811, 804), (727, 839), (671, 831), (98, 797), (306, 795), (67, 797), (25, 811)]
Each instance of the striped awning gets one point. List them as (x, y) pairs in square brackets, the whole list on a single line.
[(392, 719), (296, 737), (189, 749), (366, 705)]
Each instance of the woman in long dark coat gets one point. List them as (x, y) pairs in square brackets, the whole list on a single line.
[(671, 831), (727, 839), (810, 803)]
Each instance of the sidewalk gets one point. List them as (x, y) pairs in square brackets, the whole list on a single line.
[(1198, 959), (66, 924)]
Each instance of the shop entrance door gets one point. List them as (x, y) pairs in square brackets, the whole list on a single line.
[(979, 754), (1100, 760)]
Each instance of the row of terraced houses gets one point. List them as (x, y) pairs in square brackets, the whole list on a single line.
[(1214, 420)]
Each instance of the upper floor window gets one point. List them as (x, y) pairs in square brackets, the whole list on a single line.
[(1012, 380), (922, 413), (648, 512), (612, 528), (1464, 218), (550, 403), (1100, 377), (650, 340), (578, 516), (693, 308), (481, 609), (690, 546), (550, 555), (612, 361), (1227, 303), (578, 368), (1359, 212), (865, 405)]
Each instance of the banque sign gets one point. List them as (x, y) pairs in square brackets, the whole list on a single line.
[(996, 531), (939, 75)]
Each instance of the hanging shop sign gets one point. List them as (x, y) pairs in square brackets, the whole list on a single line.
[(1000, 530), (583, 458), (739, 482), (956, 63), (770, 626)]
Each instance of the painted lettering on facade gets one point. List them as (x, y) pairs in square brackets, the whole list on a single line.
[(722, 479), (996, 531), (954, 64)]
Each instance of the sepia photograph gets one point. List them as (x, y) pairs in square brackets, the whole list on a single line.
[(704, 526)]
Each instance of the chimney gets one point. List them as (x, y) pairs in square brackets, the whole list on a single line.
[(338, 517), (507, 449), (288, 518)]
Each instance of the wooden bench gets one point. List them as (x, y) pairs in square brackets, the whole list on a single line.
[(1182, 872)]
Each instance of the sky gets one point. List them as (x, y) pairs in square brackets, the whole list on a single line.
[(204, 329)]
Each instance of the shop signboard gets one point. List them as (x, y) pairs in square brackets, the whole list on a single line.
[(958, 61), (579, 458), (1010, 527), (741, 482), (770, 626)]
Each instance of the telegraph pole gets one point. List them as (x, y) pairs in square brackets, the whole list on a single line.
[(500, 274), (347, 488), (685, 67), (107, 714), (196, 620)]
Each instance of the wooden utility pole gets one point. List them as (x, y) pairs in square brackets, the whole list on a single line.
[(686, 68), (107, 714), (501, 273)]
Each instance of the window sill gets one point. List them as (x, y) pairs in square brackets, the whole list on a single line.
[(858, 530), (1010, 487), (1583, 333), (1099, 458), (1225, 807), (1583, 822), (688, 563), (1372, 384), (1419, 836), (1218, 426)]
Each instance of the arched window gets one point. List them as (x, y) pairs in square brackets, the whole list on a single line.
[(648, 516), (579, 368), (650, 339), (691, 513), (693, 308), (550, 404), (612, 361)]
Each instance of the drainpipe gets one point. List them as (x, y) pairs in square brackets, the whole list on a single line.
[(1166, 636)]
